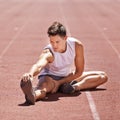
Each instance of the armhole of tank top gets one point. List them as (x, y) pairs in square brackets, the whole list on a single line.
[(49, 50)]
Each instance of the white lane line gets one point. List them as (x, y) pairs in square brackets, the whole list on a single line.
[(11, 41), (88, 94), (104, 35), (92, 106)]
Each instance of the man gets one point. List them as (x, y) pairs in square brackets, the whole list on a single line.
[(55, 68)]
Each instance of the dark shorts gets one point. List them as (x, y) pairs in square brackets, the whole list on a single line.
[(41, 78)]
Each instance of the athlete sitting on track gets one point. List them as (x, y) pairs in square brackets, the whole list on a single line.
[(55, 68)]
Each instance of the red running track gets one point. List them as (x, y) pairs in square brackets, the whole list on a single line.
[(23, 26)]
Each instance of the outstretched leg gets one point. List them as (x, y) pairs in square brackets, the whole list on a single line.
[(91, 79), (31, 95), (43, 88)]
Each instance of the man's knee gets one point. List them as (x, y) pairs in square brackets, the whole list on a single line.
[(104, 77)]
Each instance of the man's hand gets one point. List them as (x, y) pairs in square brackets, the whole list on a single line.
[(56, 86), (26, 77)]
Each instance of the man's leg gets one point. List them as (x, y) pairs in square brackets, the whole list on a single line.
[(43, 88), (31, 94), (91, 79)]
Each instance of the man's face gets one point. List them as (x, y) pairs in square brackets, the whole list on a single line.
[(58, 43)]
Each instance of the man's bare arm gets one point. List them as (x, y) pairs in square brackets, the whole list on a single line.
[(45, 58)]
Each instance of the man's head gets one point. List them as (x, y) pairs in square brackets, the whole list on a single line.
[(57, 29), (57, 34)]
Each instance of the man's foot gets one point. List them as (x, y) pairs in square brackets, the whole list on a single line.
[(68, 88), (26, 87)]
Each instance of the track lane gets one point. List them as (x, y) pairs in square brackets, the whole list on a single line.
[(33, 35), (24, 57), (105, 59)]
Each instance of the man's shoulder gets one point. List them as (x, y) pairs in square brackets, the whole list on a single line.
[(78, 46), (47, 53), (73, 39)]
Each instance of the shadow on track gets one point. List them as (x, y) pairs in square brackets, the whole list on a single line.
[(57, 96)]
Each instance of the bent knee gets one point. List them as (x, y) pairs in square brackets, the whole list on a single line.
[(104, 77)]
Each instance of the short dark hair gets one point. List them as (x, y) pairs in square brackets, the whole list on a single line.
[(57, 29)]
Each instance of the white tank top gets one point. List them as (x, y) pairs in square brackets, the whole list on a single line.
[(61, 66)]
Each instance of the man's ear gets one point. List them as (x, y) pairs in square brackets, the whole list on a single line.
[(65, 38)]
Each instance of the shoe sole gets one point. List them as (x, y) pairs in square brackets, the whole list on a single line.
[(28, 91)]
